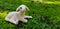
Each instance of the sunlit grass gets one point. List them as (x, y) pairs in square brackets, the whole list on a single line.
[(3, 15), (49, 2)]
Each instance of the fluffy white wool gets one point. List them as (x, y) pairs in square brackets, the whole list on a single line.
[(14, 17)]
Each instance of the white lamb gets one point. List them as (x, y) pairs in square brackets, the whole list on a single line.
[(14, 17)]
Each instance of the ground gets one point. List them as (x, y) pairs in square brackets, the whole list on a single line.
[(45, 15)]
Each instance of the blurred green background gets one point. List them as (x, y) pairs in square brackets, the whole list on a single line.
[(45, 15)]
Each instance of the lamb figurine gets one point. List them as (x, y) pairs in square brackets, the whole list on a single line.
[(16, 16)]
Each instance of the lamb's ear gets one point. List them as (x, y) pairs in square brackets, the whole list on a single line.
[(18, 9), (27, 8)]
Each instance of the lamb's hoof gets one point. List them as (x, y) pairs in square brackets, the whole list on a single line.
[(25, 21), (30, 17)]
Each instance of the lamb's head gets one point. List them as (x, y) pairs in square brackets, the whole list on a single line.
[(22, 8)]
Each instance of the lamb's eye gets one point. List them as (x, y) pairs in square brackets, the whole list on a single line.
[(20, 7)]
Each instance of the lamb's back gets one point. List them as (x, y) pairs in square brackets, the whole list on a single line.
[(12, 14)]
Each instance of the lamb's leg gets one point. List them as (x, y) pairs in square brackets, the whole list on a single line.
[(24, 20), (7, 18), (13, 20), (27, 16)]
